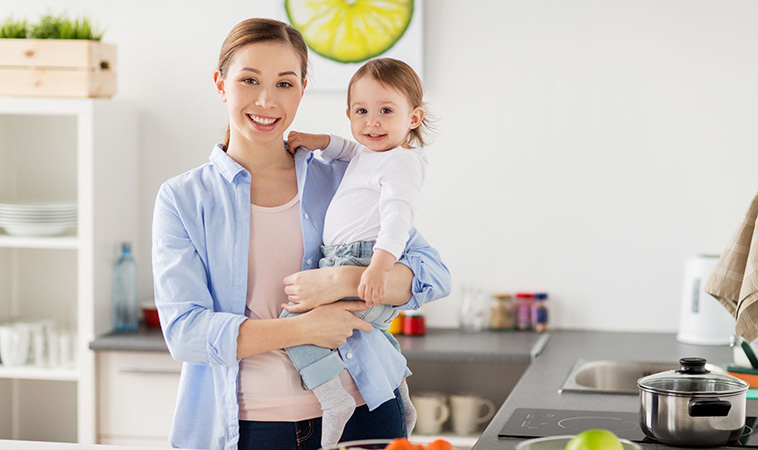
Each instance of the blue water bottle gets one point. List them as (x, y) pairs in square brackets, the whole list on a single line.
[(125, 304)]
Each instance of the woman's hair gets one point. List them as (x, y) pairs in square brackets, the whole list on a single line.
[(256, 30), (400, 76)]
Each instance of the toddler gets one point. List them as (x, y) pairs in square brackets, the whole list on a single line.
[(370, 217)]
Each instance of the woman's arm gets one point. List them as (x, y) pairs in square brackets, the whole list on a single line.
[(327, 326), (418, 277)]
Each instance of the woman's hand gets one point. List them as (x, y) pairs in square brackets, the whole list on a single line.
[(311, 288), (330, 325), (310, 141)]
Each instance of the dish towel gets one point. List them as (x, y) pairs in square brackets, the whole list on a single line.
[(734, 280)]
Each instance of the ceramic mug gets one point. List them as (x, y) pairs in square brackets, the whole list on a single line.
[(467, 412), (14, 344), (431, 411)]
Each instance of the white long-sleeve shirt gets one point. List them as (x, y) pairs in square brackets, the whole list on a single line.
[(377, 197)]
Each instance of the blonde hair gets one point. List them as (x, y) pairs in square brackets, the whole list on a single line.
[(400, 76), (252, 31)]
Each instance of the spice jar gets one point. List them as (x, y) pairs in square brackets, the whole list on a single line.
[(524, 310), (414, 323), (502, 315), (539, 312), (396, 326)]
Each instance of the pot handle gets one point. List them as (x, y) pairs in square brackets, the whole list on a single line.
[(709, 407)]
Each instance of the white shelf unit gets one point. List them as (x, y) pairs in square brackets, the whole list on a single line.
[(59, 150)]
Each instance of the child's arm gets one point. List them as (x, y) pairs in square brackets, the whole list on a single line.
[(310, 141), (373, 286), (340, 149)]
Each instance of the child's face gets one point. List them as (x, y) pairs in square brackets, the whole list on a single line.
[(380, 117), (262, 89)]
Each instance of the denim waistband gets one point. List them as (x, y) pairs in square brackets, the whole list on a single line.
[(360, 249)]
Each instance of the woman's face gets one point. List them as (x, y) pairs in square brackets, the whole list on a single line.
[(262, 88)]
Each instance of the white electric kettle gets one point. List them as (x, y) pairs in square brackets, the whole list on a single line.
[(702, 319)]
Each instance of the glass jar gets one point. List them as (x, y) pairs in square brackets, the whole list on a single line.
[(502, 312), (524, 302)]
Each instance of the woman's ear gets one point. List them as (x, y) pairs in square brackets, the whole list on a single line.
[(417, 116), (218, 80), (305, 83)]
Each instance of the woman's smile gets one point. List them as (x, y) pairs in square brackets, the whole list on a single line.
[(264, 123)]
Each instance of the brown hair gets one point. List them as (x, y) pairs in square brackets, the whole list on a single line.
[(252, 31), (400, 76)]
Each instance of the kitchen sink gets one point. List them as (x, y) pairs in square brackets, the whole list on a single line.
[(614, 376)]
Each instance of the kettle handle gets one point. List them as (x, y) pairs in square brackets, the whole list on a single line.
[(708, 407)]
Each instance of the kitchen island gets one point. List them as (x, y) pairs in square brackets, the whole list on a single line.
[(539, 386)]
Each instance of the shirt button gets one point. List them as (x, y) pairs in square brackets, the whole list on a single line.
[(306, 215), (349, 356), (310, 261)]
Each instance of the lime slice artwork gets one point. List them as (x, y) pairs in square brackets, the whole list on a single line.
[(350, 31)]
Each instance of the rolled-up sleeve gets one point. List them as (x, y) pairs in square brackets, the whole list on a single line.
[(431, 278), (194, 332)]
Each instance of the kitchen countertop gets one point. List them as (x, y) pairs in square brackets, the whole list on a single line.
[(446, 344), (538, 387)]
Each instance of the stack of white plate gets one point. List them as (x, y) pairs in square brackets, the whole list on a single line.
[(37, 219)]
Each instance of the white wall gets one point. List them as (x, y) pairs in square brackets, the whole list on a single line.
[(586, 147)]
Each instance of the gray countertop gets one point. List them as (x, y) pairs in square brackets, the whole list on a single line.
[(539, 386), (445, 344), (143, 340)]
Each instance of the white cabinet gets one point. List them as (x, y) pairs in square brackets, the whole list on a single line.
[(62, 150), (136, 397)]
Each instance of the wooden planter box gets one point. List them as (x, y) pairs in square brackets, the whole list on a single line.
[(57, 68)]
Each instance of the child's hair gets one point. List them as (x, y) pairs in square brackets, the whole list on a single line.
[(252, 31), (400, 76)]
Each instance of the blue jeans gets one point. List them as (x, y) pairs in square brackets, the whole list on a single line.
[(385, 422), (318, 365)]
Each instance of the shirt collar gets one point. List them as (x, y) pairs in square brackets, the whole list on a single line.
[(228, 167)]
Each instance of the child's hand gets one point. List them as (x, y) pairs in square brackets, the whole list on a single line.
[(310, 141), (373, 285)]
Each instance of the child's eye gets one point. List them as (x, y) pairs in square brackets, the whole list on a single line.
[(386, 110), (361, 111)]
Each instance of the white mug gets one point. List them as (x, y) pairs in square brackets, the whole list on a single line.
[(431, 411), (467, 412), (15, 344)]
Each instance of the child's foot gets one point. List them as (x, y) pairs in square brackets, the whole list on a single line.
[(338, 406), (410, 410)]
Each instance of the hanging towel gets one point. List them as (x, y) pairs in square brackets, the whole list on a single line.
[(734, 280)]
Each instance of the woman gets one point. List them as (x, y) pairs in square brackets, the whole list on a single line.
[(227, 233)]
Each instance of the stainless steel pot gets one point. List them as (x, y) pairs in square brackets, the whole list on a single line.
[(692, 406)]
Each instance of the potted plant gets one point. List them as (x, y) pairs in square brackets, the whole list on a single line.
[(57, 57)]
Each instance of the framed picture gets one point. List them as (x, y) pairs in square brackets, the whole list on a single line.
[(342, 35)]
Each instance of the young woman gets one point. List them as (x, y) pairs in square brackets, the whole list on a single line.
[(227, 233)]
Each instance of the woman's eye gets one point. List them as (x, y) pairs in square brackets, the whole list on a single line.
[(285, 84), (250, 81)]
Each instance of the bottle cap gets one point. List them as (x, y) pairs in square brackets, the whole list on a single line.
[(502, 295), (524, 295), (540, 296)]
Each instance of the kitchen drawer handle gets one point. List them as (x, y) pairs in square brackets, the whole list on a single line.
[(150, 371)]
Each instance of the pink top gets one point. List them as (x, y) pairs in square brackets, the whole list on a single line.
[(269, 387)]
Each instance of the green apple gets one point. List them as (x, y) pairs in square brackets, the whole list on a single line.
[(595, 440)]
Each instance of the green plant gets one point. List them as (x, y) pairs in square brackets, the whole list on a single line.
[(13, 29), (51, 27)]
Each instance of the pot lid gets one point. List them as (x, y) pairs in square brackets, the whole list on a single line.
[(692, 378)]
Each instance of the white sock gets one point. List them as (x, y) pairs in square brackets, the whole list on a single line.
[(338, 407), (410, 410)]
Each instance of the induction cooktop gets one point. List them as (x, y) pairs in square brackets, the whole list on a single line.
[(534, 422)]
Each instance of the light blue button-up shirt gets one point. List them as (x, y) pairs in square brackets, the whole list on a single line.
[(201, 235)]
